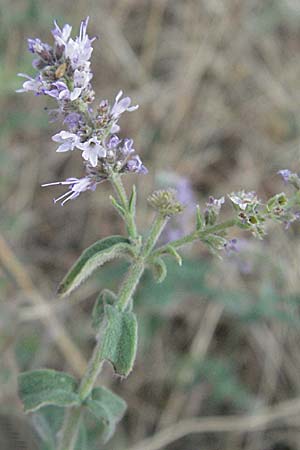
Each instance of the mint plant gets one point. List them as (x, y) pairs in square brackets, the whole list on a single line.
[(63, 73)]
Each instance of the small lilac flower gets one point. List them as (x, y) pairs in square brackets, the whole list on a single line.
[(61, 36), (126, 149), (76, 186), (68, 141), (231, 246), (43, 50), (212, 210), (92, 149), (72, 120), (135, 165), (285, 173), (122, 105), (80, 50), (216, 203), (32, 84), (81, 81), (59, 90), (113, 142), (243, 199)]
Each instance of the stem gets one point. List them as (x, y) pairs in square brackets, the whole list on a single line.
[(129, 218), (157, 227), (196, 235), (130, 283), (70, 427), (69, 431)]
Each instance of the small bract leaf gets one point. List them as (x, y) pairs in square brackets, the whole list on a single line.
[(159, 270), (47, 387), (173, 252), (199, 219), (92, 258), (106, 297), (132, 201), (107, 407), (117, 206), (120, 340)]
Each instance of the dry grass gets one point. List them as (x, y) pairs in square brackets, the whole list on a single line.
[(218, 88)]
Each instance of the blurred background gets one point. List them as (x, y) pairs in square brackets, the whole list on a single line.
[(218, 87)]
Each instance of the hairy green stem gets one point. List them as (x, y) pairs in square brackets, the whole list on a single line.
[(69, 431), (196, 235), (157, 227), (130, 283), (129, 218)]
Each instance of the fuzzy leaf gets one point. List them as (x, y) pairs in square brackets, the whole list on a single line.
[(120, 340), (92, 258), (47, 387), (159, 270), (107, 407), (106, 297)]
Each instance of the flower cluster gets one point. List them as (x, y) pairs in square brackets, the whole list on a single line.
[(64, 74), (165, 202), (253, 213), (212, 211)]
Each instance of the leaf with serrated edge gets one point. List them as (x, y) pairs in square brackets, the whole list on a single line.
[(93, 257), (107, 407), (47, 387), (119, 342)]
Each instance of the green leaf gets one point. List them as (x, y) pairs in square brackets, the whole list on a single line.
[(199, 219), (47, 387), (120, 340), (106, 297), (107, 407), (173, 252), (132, 201), (159, 270), (92, 258), (117, 206)]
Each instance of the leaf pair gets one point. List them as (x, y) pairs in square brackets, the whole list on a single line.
[(48, 387)]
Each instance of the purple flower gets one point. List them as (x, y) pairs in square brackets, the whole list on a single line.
[(231, 246), (135, 165), (113, 142), (215, 203), (43, 50), (92, 149), (80, 50), (32, 84), (72, 120), (59, 90), (285, 173), (76, 186), (61, 36), (68, 141), (243, 199), (121, 105), (126, 149)]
